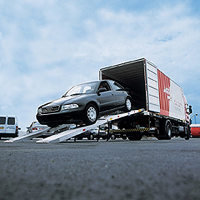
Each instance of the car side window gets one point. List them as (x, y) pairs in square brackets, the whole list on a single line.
[(104, 85), (117, 86)]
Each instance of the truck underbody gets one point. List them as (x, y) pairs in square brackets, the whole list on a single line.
[(150, 124)]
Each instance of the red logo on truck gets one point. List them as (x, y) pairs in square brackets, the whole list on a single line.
[(164, 93)]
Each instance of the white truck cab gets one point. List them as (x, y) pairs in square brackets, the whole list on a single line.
[(8, 126)]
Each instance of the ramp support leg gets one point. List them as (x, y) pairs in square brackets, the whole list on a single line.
[(98, 137), (109, 126)]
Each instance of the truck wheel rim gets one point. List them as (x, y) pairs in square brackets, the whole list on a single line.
[(169, 132), (128, 104), (91, 114)]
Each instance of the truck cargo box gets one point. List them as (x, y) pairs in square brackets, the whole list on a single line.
[(150, 88)]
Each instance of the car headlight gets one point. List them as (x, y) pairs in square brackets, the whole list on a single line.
[(69, 106), (39, 111)]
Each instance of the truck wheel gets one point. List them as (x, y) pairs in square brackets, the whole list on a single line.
[(128, 104), (104, 137), (91, 114), (168, 130), (124, 137), (187, 132), (135, 137)]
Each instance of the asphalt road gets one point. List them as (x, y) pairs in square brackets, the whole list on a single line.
[(114, 170)]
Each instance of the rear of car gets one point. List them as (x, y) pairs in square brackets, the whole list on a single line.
[(35, 126), (195, 130), (8, 126)]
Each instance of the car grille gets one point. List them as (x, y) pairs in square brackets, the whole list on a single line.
[(50, 109)]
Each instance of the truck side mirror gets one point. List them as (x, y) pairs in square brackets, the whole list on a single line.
[(190, 109)]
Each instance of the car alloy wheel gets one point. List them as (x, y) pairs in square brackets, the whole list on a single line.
[(128, 104), (91, 114)]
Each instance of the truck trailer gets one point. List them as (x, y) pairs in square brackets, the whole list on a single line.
[(165, 109)]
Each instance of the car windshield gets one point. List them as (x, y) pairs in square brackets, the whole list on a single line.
[(86, 88)]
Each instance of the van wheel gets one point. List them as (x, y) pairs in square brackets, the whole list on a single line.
[(91, 114), (128, 104)]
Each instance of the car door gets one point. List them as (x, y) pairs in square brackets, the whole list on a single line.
[(11, 127), (106, 98), (119, 92)]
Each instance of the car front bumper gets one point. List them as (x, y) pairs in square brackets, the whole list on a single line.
[(60, 118)]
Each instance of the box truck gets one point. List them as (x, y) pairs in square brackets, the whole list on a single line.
[(165, 109)]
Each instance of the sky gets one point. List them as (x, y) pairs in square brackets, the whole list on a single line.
[(47, 46)]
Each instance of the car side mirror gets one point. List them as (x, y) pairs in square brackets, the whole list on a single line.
[(101, 90)]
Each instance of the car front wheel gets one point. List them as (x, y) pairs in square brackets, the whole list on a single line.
[(91, 114)]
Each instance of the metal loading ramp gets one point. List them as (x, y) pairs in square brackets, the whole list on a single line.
[(28, 137), (74, 132), (63, 136), (70, 133)]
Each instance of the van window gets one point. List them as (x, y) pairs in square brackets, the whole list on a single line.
[(11, 121), (2, 120)]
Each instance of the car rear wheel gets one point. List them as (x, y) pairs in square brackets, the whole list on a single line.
[(128, 104), (91, 114)]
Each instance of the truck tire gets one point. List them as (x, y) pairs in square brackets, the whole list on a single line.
[(187, 132), (135, 136), (124, 137), (91, 114), (165, 130), (168, 130)]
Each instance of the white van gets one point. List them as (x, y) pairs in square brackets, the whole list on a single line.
[(8, 126)]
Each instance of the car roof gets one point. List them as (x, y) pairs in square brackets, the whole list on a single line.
[(98, 81)]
